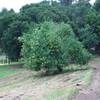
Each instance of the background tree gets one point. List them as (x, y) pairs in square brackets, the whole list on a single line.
[(97, 5), (38, 13), (6, 18), (83, 17), (66, 2), (10, 43)]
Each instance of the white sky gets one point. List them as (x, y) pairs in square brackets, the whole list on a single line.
[(17, 4)]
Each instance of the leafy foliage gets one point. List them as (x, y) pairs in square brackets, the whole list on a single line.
[(52, 46), (44, 12), (10, 43), (83, 17), (97, 5)]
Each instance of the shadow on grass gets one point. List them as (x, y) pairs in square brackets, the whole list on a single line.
[(68, 70), (14, 64)]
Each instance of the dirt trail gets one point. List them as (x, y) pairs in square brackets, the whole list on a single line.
[(93, 93), (26, 86)]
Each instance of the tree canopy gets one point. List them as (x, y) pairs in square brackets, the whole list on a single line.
[(83, 17), (52, 46)]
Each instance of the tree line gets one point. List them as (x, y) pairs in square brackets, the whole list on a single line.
[(83, 18)]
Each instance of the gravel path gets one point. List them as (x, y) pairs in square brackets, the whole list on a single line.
[(93, 93)]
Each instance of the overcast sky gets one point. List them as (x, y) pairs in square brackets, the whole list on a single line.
[(17, 4)]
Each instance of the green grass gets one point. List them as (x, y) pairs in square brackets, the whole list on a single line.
[(59, 93), (85, 75), (73, 67), (88, 77), (6, 71), (12, 63), (68, 92)]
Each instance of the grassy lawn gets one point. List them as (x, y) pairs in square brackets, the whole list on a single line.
[(68, 92), (7, 70), (62, 93)]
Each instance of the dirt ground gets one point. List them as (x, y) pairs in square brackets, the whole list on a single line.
[(93, 93), (28, 85)]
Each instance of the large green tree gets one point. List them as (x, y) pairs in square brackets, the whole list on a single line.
[(10, 43), (6, 18), (52, 46), (43, 11)]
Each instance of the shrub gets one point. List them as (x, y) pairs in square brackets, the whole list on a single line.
[(52, 46)]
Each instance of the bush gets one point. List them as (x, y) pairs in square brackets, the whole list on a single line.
[(52, 46)]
